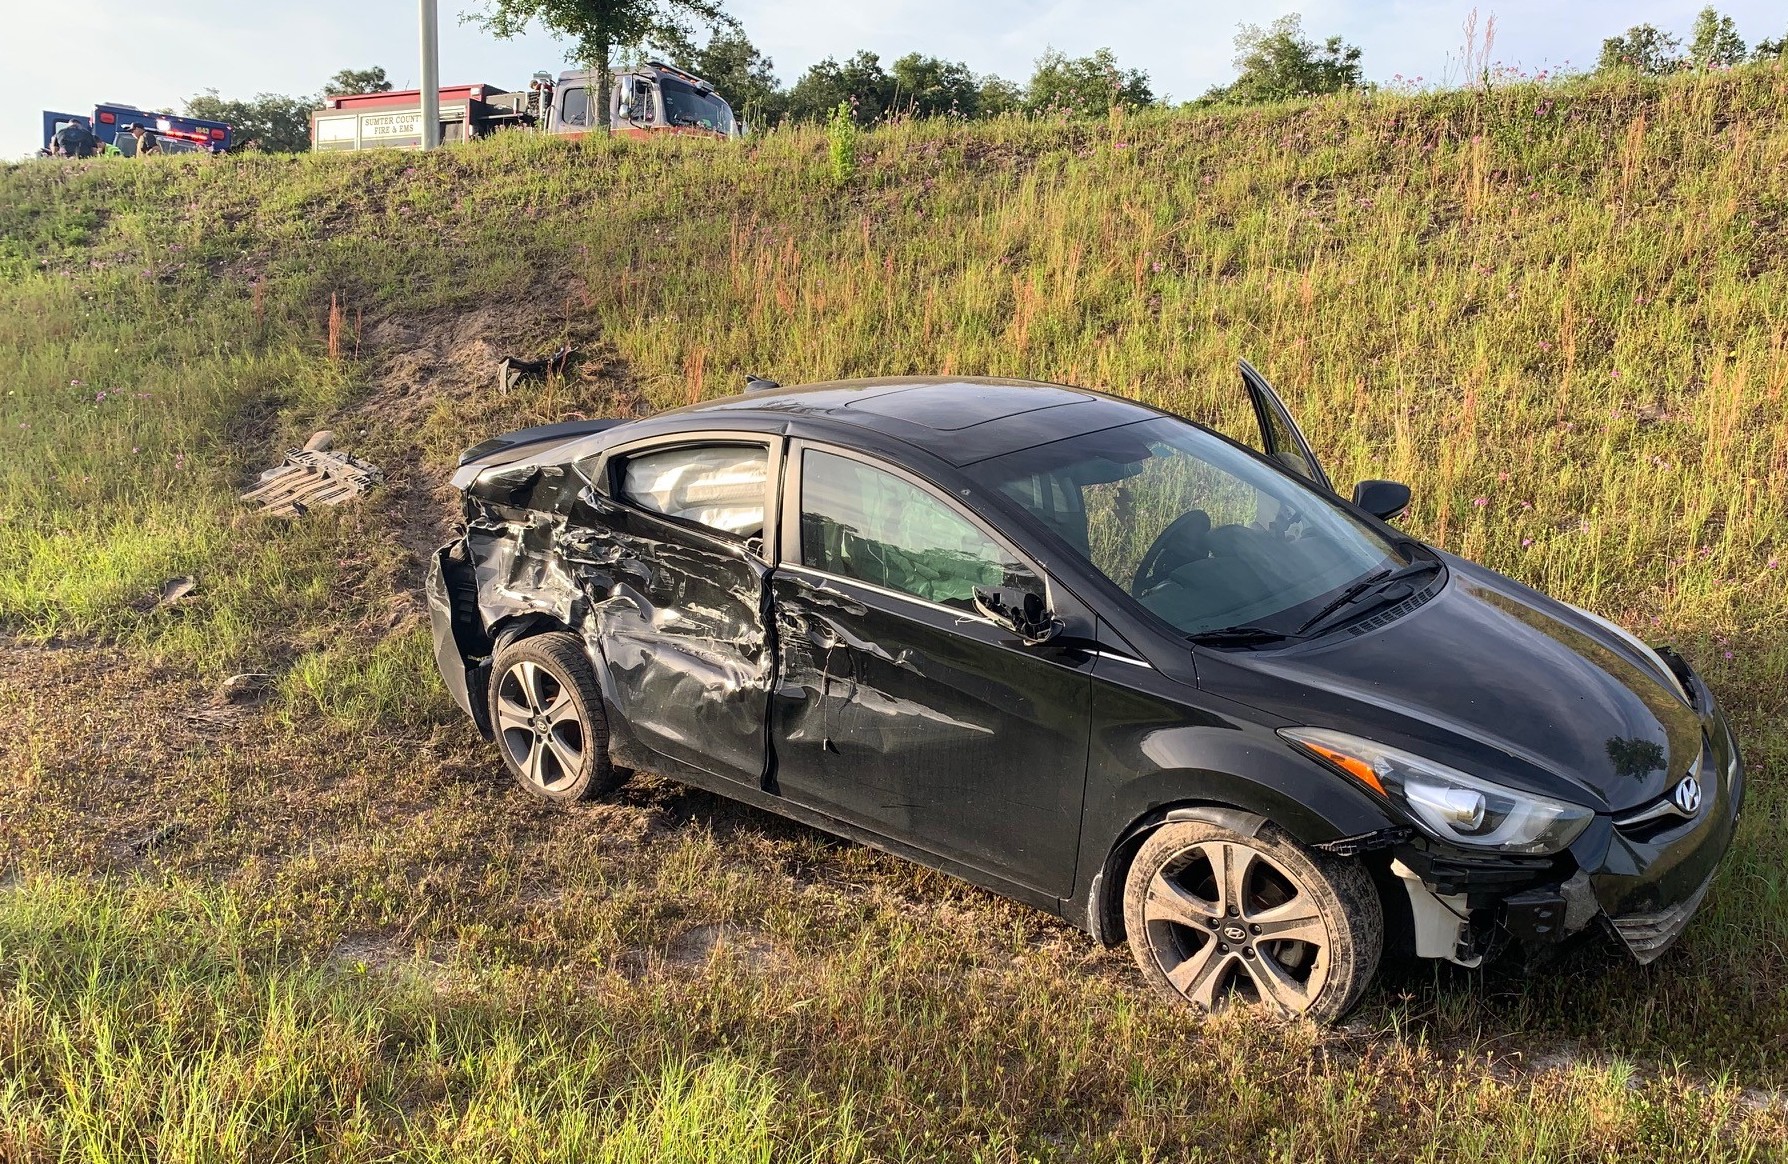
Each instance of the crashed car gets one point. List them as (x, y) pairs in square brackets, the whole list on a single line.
[(1099, 658)]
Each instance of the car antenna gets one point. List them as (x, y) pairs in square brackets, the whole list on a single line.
[(759, 384)]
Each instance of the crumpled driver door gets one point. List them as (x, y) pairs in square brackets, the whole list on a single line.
[(1280, 437)]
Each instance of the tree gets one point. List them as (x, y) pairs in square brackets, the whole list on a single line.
[(1280, 63), (1716, 43), (1769, 50), (741, 74), (281, 124), (1085, 86), (1644, 48), (996, 96), (598, 27), (931, 87), (350, 81), (860, 83)]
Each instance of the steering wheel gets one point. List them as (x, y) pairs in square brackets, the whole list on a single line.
[(1181, 542)]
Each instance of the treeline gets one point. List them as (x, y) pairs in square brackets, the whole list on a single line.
[(914, 85), (1714, 43), (1274, 62), (1277, 62)]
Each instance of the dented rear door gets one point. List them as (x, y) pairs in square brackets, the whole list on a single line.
[(676, 612)]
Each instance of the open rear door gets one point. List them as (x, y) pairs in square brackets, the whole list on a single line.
[(1280, 437)]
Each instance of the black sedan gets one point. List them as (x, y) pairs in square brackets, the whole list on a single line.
[(1096, 657)]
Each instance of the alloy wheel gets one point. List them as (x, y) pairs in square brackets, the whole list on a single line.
[(539, 725), (1228, 923)]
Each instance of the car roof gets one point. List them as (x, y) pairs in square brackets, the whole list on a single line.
[(959, 419)]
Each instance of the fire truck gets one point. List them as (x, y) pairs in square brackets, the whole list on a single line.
[(652, 99), (175, 134)]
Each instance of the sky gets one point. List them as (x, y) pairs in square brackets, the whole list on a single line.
[(153, 55)]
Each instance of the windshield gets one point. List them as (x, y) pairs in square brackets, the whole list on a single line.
[(1199, 532), (687, 105)]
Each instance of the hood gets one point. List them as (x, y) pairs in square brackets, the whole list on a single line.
[(1495, 679)]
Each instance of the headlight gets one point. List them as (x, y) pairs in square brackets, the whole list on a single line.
[(1447, 803)]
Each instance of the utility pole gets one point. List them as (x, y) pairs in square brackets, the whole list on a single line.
[(431, 76)]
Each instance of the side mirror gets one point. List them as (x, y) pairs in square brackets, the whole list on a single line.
[(1384, 500), (1020, 611)]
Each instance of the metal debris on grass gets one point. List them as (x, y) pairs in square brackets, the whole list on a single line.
[(174, 589), (313, 476), (246, 686), (511, 371), (174, 592)]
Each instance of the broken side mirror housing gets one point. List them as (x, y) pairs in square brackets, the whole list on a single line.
[(1385, 500), (1019, 611)]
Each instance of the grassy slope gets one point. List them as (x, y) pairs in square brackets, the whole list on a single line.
[(329, 928)]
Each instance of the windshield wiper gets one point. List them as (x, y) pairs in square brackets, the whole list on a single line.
[(1389, 586), (1344, 598), (1414, 569), (1237, 636)]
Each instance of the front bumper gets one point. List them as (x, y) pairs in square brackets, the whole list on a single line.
[(1643, 885), (1651, 883)]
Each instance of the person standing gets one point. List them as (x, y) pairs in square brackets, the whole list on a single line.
[(147, 142)]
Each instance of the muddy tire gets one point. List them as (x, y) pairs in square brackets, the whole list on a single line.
[(546, 711), (1219, 919)]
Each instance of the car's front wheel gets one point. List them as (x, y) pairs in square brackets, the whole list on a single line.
[(546, 708), (1219, 918)]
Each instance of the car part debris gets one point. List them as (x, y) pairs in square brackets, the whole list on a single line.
[(512, 371), (174, 589), (173, 592), (155, 838), (243, 687), (170, 593), (313, 476)]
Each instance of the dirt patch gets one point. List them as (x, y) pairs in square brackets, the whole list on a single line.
[(364, 952), (699, 945), (434, 392), (390, 956)]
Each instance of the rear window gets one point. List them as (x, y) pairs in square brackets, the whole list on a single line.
[(721, 487)]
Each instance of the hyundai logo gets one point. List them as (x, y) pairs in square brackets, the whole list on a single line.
[(1687, 796)]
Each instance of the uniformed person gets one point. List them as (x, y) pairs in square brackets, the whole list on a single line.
[(74, 140), (147, 142)]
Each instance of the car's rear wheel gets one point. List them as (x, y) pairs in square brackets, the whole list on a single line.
[(1219, 919), (546, 709)]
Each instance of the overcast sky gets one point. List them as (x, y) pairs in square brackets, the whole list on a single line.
[(71, 54)]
